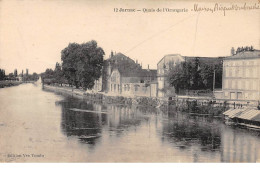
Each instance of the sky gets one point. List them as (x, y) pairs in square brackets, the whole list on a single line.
[(33, 32)]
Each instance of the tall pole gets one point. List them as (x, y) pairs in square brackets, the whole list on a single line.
[(214, 75)]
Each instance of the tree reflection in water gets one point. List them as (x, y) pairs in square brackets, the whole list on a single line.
[(88, 126), (185, 131)]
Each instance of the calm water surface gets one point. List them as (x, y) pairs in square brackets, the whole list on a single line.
[(41, 126)]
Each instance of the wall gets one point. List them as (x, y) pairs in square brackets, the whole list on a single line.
[(241, 79), (163, 67)]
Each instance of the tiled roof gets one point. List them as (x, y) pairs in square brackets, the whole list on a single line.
[(171, 56), (119, 56)]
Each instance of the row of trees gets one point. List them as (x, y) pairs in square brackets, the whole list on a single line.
[(194, 75), (81, 66), (54, 76)]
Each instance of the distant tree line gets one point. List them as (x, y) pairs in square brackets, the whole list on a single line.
[(30, 77), (81, 65), (194, 75), (14, 76)]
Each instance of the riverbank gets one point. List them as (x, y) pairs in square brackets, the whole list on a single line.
[(205, 107), (4, 84), (161, 103)]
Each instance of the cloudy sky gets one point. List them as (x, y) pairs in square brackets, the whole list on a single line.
[(33, 32)]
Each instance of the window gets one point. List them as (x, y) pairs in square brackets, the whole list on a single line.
[(255, 85), (239, 84), (230, 73), (247, 72), (226, 84), (229, 84), (227, 72), (254, 72), (246, 95), (232, 95), (234, 84), (136, 87), (226, 94), (234, 72), (243, 84), (250, 85), (247, 85), (239, 95)]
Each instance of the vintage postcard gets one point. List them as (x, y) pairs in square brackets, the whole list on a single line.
[(129, 81)]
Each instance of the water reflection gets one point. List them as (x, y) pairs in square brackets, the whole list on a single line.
[(197, 137), (201, 139), (88, 126), (187, 131), (240, 145)]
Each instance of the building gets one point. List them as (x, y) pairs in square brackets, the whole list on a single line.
[(133, 83), (120, 62), (241, 76), (163, 68), (123, 76)]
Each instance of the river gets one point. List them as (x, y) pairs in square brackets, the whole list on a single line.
[(41, 126)]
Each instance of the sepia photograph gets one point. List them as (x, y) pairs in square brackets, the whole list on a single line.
[(129, 81)]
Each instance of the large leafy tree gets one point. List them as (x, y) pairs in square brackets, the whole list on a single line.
[(193, 75), (178, 77), (48, 76), (82, 63), (207, 73)]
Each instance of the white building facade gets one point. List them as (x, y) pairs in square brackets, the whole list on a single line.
[(241, 76), (163, 68)]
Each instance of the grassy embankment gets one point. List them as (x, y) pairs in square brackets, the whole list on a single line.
[(4, 84)]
